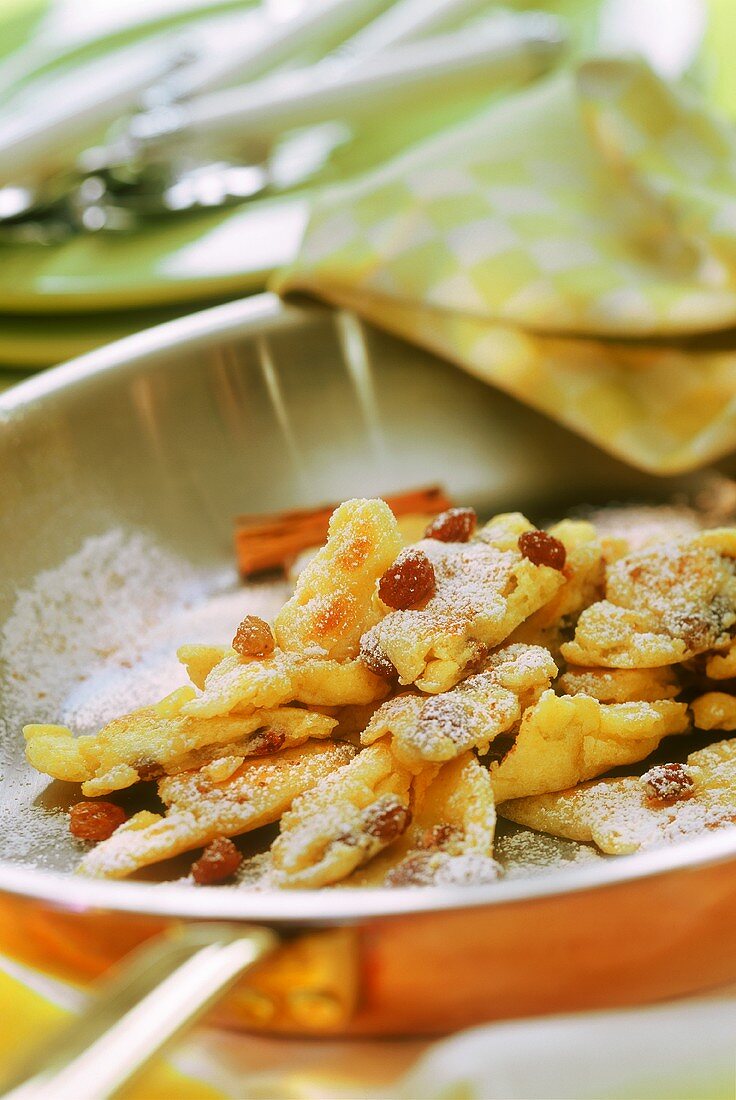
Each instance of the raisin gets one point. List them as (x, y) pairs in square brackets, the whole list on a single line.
[(266, 742), (408, 581), (417, 869), (668, 783), (375, 659), (439, 836), (219, 860), (695, 631), (454, 525), (700, 629), (95, 820), (542, 548), (253, 638), (386, 822)]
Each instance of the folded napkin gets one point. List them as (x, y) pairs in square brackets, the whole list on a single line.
[(683, 1051), (574, 244)]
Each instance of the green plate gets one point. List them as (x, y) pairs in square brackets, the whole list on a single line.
[(226, 253), (11, 378), (41, 341), (178, 260)]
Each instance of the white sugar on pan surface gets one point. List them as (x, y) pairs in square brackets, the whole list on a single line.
[(113, 687), (522, 853), (90, 639), (94, 607), (96, 635)]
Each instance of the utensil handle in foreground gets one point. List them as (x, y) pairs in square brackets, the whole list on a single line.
[(157, 992)]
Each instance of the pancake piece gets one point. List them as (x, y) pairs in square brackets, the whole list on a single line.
[(450, 838), (669, 804), (566, 740), (155, 741), (225, 798), (344, 821), (439, 728), (484, 589), (663, 605)]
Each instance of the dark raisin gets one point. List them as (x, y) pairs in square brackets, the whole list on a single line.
[(408, 581), (253, 638), (375, 659), (418, 869), (219, 861), (695, 631), (454, 525), (266, 742), (439, 836), (386, 822), (95, 820), (668, 783), (542, 548)]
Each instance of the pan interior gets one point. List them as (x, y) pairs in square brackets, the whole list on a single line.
[(119, 484)]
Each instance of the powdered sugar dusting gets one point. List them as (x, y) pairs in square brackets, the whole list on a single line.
[(97, 636), (641, 525), (439, 868), (523, 853), (91, 611), (91, 639)]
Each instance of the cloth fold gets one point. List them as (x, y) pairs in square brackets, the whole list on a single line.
[(571, 245)]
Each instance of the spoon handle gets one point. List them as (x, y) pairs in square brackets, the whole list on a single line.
[(162, 989)]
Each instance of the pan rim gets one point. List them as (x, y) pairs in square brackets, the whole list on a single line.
[(292, 907), (231, 319), (323, 908)]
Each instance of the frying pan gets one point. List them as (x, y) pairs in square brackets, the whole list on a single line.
[(145, 450)]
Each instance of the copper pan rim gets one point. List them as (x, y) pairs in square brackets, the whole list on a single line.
[(342, 906)]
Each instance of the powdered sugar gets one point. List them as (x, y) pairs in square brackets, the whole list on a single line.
[(641, 525), (91, 611), (439, 868), (91, 639), (522, 853), (98, 635)]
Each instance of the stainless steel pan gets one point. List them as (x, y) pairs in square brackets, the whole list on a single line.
[(258, 406)]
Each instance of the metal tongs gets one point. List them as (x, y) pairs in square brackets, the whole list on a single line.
[(197, 143)]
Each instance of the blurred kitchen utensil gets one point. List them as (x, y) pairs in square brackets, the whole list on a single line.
[(187, 154), (45, 125), (485, 54)]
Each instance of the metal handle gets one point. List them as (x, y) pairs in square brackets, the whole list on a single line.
[(501, 50), (158, 991)]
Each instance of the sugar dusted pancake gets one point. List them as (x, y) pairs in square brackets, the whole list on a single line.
[(668, 804)]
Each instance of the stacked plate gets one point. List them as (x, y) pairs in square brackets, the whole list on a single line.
[(70, 101), (63, 298)]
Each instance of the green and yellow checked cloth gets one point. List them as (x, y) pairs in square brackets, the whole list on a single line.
[(575, 245)]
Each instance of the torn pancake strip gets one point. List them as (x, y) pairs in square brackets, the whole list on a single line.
[(206, 804)]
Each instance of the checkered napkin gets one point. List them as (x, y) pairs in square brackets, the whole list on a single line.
[(574, 245)]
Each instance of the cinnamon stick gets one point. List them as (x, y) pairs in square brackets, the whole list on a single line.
[(272, 541)]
